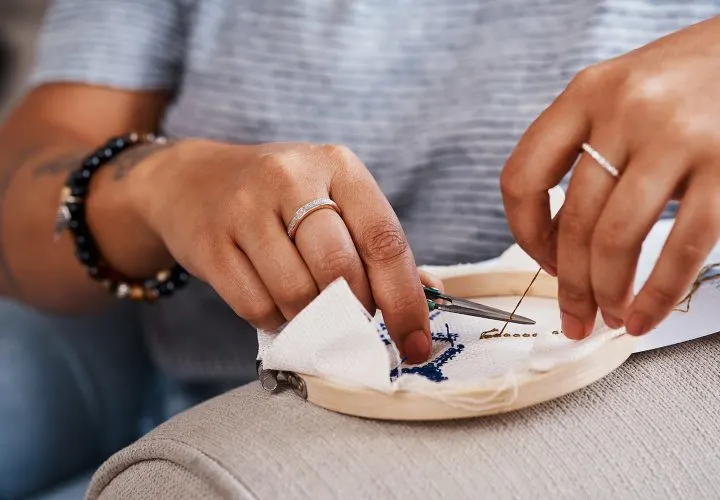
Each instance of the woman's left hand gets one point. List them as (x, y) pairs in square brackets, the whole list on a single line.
[(654, 114)]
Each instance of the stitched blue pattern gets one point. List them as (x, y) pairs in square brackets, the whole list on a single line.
[(394, 372), (432, 370), (384, 334), (448, 337)]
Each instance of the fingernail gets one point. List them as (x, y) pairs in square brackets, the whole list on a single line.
[(612, 321), (572, 327), (416, 347), (638, 324), (550, 269), (435, 281)]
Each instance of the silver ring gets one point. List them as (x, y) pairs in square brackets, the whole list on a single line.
[(600, 159), (306, 210)]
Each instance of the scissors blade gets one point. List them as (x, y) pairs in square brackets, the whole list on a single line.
[(486, 312)]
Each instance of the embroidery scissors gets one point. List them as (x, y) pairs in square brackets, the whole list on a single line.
[(462, 306)]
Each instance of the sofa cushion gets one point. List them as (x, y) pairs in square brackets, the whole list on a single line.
[(648, 430)]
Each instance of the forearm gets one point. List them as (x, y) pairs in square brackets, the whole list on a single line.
[(34, 164)]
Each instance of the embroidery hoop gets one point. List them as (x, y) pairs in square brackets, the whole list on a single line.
[(531, 389)]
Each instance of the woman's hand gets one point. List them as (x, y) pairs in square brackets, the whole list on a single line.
[(222, 211), (655, 115)]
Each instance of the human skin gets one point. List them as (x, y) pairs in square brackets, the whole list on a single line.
[(221, 209), (653, 113), (218, 209)]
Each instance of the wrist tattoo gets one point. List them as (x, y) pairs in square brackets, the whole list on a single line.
[(62, 165), (121, 166), (125, 162)]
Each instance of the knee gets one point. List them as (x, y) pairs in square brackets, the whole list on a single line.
[(51, 411)]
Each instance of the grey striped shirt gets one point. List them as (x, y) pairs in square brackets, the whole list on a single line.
[(431, 94)]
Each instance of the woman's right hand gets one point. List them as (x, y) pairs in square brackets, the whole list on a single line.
[(222, 212)]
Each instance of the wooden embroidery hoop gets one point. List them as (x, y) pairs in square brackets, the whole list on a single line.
[(532, 389)]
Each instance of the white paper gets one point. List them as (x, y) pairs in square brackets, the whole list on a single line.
[(701, 320)]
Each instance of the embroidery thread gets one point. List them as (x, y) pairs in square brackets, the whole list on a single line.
[(708, 273), (521, 299)]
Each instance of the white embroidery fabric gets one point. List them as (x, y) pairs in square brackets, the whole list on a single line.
[(335, 339)]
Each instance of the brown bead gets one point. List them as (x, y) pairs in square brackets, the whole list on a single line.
[(137, 293)]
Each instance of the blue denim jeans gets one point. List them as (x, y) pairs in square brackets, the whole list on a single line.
[(75, 390), (71, 392)]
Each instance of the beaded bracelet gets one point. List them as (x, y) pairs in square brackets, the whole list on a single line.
[(71, 217)]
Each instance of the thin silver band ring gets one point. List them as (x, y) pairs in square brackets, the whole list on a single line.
[(600, 159), (307, 209)]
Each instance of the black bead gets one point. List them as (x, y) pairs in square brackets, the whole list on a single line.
[(81, 240), (80, 229), (92, 163), (76, 210), (80, 178), (117, 144), (151, 284), (78, 191), (166, 288), (107, 153), (94, 272), (87, 256), (83, 244), (180, 275)]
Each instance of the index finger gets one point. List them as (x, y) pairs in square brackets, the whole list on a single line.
[(540, 160), (389, 262)]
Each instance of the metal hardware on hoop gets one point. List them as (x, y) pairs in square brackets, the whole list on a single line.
[(270, 380)]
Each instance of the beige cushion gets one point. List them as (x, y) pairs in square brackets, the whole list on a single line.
[(651, 429)]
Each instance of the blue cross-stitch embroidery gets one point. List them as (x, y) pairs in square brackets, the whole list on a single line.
[(432, 370), (384, 334), (448, 337)]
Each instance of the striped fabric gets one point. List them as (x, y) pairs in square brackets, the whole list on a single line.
[(431, 94)]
